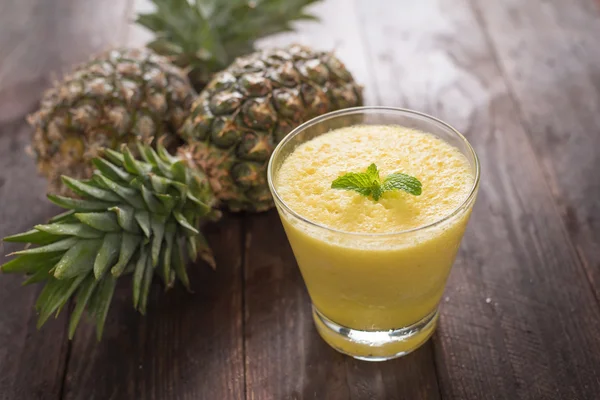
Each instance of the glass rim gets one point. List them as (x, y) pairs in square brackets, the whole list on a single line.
[(356, 110)]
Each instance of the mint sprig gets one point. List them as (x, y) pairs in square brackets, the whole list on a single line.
[(369, 183)]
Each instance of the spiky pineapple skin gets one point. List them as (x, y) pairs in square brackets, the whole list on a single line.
[(248, 108), (120, 96)]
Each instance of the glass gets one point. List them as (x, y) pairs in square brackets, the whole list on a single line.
[(375, 296)]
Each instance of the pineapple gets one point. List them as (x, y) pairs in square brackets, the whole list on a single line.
[(248, 108), (205, 36), (121, 96), (132, 217)]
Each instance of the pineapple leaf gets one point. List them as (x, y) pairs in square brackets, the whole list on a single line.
[(100, 300), (145, 289), (130, 269), (83, 296), (34, 236), (192, 247), (164, 155), (143, 219), (202, 208), (78, 230), (163, 167), (126, 218), (114, 157), (78, 204), (42, 274), (153, 205), (205, 251), (67, 216), (151, 21), (132, 165), (184, 223), (170, 231), (129, 245), (168, 201), (87, 190), (104, 221), (61, 245), (182, 188), (178, 170), (158, 231), (148, 154), (159, 184), (97, 182), (108, 254), (55, 294), (130, 195), (111, 171), (138, 275), (78, 260), (29, 264), (179, 266)]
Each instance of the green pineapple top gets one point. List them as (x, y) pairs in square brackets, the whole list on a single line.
[(131, 217), (207, 35)]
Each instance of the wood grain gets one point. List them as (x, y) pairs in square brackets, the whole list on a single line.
[(550, 64), (286, 358), (31, 361), (188, 346), (520, 317)]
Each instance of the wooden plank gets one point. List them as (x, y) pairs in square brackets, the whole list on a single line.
[(188, 346), (286, 358), (550, 62), (520, 320), (31, 361)]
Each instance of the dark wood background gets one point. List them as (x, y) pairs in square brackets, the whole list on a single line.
[(521, 314)]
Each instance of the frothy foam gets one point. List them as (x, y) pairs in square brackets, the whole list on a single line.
[(304, 179)]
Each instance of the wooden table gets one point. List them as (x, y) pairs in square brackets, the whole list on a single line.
[(521, 314)]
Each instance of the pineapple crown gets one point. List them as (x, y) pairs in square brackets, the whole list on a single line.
[(207, 35), (132, 216)]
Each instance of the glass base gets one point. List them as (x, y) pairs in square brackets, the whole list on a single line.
[(375, 345)]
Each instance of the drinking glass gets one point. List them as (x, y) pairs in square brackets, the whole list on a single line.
[(374, 296)]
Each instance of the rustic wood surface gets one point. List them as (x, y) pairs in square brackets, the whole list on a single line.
[(521, 314)]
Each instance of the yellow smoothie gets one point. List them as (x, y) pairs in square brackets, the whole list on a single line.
[(372, 270)]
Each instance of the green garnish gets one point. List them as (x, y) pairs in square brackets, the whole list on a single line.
[(369, 183)]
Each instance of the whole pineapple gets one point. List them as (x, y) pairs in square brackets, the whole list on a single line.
[(248, 108), (121, 96)]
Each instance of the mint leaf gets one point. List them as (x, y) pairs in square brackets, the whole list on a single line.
[(400, 181), (373, 172), (369, 183), (360, 182)]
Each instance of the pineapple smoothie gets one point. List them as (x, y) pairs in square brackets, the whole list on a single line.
[(375, 266)]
